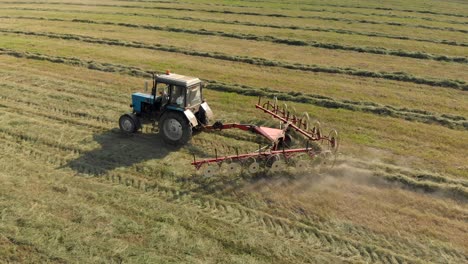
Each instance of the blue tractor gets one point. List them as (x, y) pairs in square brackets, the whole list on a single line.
[(176, 103)]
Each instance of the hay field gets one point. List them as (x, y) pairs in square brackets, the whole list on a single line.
[(391, 77)]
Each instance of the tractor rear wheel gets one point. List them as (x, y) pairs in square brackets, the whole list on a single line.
[(129, 123), (175, 128)]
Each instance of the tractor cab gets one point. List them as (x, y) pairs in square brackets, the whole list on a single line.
[(178, 91), (174, 98)]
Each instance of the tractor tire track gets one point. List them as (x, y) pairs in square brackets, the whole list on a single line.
[(51, 113), (450, 188), (242, 23), (296, 248), (424, 181), (412, 114), (279, 15), (292, 42), (73, 90), (125, 180), (241, 216), (70, 97)]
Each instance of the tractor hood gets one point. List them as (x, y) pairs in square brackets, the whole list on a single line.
[(177, 79)]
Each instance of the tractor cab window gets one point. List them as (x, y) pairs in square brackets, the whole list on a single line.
[(177, 96), (162, 92), (194, 95)]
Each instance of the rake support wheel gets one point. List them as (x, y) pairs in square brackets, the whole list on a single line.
[(333, 141), (210, 170), (253, 166)]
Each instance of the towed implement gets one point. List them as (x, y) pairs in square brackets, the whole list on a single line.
[(279, 153), (177, 108)]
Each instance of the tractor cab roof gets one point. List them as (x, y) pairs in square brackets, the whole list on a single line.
[(177, 79)]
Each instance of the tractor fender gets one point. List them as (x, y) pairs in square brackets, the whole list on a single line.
[(207, 110), (191, 117)]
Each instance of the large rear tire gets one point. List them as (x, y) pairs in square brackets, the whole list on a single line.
[(175, 128), (129, 123)]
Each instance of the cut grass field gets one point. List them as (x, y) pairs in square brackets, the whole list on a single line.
[(76, 190)]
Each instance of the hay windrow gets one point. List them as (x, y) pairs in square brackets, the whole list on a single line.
[(291, 42), (450, 121), (396, 76)]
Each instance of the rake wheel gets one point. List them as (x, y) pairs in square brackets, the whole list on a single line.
[(232, 167), (301, 162), (253, 166), (333, 143), (210, 170)]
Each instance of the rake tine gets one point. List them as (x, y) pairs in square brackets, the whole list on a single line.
[(275, 105)]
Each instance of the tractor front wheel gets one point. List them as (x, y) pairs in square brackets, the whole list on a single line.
[(175, 128), (129, 123)]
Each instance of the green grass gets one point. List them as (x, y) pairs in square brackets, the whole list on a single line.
[(302, 35), (74, 189), (400, 76), (276, 51), (283, 81)]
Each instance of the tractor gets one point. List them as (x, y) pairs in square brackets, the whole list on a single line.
[(176, 103), (177, 108)]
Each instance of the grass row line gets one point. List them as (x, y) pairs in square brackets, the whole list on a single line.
[(288, 41), (86, 169), (53, 109), (455, 191), (347, 20), (392, 9), (396, 173), (129, 180), (310, 10), (73, 90), (397, 76), (451, 121), (411, 180), (236, 214), (364, 7), (55, 115), (141, 183), (413, 174), (387, 15), (250, 24)]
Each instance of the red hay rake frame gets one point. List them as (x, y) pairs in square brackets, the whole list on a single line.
[(275, 136)]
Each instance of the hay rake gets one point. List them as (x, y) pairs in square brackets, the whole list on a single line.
[(278, 155)]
